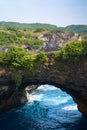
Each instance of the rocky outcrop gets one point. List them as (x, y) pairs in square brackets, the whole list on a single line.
[(11, 97), (56, 40), (65, 74)]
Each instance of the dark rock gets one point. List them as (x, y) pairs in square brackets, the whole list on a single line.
[(27, 47)]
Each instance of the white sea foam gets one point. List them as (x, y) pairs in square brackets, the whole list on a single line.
[(70, 107), (47, 99), (31, 98), (41, 87), (35, 97), (47, 87)]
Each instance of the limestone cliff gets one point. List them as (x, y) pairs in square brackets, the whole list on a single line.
[(56, 40), (66, 75)]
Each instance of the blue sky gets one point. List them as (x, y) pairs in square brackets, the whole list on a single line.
[(58, 12)]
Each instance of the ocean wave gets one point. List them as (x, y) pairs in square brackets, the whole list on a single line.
[(35, 97), (47, 87), (55, 101), (70, 107)]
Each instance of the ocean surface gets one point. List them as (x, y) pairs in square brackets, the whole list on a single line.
[(48, 108)]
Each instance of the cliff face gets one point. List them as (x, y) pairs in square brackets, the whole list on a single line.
[(65, 75), (56, 40), (51, 41), (10, 97)]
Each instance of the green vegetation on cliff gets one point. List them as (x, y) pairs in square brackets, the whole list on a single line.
[(12, 33), (74, 50), (12, 36), (17, 58)]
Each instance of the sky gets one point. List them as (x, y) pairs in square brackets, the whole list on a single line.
[(57, 12)]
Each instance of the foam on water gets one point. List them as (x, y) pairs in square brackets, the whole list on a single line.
[(35, 97), (45, 97), (70, 107), (47, 87)]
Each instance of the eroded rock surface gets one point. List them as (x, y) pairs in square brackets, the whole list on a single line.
[(57, 40)]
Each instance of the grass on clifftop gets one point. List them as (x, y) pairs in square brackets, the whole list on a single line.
[(74, 50)]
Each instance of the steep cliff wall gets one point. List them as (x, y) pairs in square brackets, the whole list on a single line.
[(66, 75), (56, 40)]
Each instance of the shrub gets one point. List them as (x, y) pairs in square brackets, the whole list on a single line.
[(41, 57), (14, 55), (17, 58), (39, 30), (8, 38), (28, 62), (34, 43), (73, 50)]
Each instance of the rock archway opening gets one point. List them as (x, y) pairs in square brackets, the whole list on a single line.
[(48, 106), (50, 96)]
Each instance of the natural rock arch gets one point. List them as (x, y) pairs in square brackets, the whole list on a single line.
[(66, 75)]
